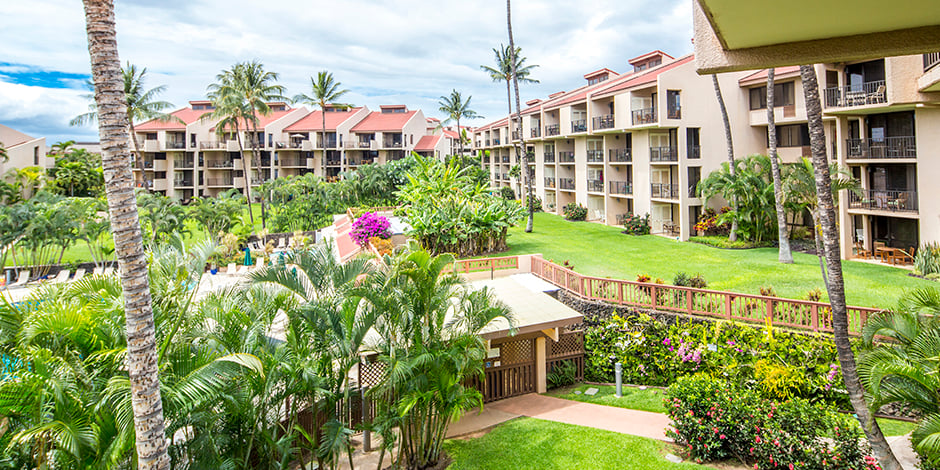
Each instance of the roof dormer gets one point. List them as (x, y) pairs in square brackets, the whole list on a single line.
[(393, 108), (650, 60), (598, 76)]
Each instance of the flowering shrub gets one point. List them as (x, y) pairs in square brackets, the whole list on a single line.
[(654, 353), (718, 420), (709, 224), (636, 225), (575, 211), (382, 245), (369, 225)]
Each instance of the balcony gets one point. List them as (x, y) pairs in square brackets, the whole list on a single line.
[(495, 141), (392, 144), (219, 181), (330, 143), (595, 186), (566, 184), (621, 187), (884, 200), (293, 161), (552, 129), (332, 162), (548, 157), (856, 95), (487, 142), (175, 144), (350, 144), (549, 182), (505, 158), (365, 144), (486, 160), (579, 125), (536, 132), (931, 60), (566, 157), (890, 147), (694, 151), (664, 154), (595, 156), (603, 122), (515, 135), (620, 156), (148, 164), (505, 176), (643, 116), (183, 183), (211, 145), (664, 191), (220, 164), (183, 163)]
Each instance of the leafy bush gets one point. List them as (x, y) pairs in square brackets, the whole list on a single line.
[(562, 373), (536, 203), (507, 193), (684, 280), (801, 233), (814, 295), (768, 291), (721, 241), (927, 260), (382, 245), (707, 222), (719, 420), (655, 353), (636, 225), (369, 225), (574, 211)]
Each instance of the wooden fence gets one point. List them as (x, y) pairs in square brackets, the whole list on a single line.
[(467, 266), (780, 312)]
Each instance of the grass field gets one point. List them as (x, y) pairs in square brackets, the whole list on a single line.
[(546, 445), (603, 251)]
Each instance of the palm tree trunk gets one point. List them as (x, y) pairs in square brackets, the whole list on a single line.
[(836, 288), (138, 159), (241, 151), (256, 163), (733, 236), (113, 127), (783, 239), (820, 252), (515, 85)]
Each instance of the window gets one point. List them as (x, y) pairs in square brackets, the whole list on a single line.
[(673, 104), (783, 96), (192, 140), (151, 136), (695, 175), (36, 156), (693, 144), (596, 80), (159, 175), (796, 135), (159, 156), (270, 140)]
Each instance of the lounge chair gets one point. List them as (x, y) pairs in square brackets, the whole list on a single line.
[(108, 270), (230, 269), (242, 270), (21, 280), (61, 277), (259, 263), (281, 243), (97, 271), (79, 273)]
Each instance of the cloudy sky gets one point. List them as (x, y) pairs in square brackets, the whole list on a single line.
[(385, 52)]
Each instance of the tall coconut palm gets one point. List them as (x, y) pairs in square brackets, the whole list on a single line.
[(456, 108), (733, 234), (325, 92), (113, 125), (514, 63), (835, 284), (141, 106), (783, 239), (502, 72)]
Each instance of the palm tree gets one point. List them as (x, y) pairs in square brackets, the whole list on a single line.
[(835, 284), (783, 239), (141, 106), (503, 70), (325, 92), (3, 154), (514, 63), (456, 108), (733, 235), (113, 124), (240, 95)]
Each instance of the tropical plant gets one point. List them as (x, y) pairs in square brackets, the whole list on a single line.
[(825, 207), (575, 211), (4, 157), (456, 108), (113, 121), (369, 225), (507, 193), (783, 240), (636, 225), (325, 92), (749, 185), (76, 172), (219, 214), (141, 105), (927, 259), (162, 218)]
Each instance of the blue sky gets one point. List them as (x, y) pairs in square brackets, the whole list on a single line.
[(386, 52)]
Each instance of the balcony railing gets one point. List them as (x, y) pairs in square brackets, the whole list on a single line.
[(148, 164), (293, 161), (505, 159), (536, 132), (296, 143), (595, 156), (694, 151), (211, 145), (621, 187), (664, 191), (333, 162), (487, 142), (603, 122), (548, 157), (857, 95), (566, 157), (219, 181), (664, 154), (182, 183), (221, 164), (364, 144), (644, 116), (549, 182), (890, 147), (566, 183), (486, 160), (505, 176), (515, 135), (495, 141), (931, 60), (552, 129), (330, 143), (176, 144), (884, 200), (392, 144), (183, 163), (595, 186), (579, 126), (620, 156)]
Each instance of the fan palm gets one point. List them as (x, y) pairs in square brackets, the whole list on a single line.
[(456, 108), (325, 92), (142, 105)]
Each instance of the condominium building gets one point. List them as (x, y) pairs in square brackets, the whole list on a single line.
[(22, 151), (639, 142), (188, 156)]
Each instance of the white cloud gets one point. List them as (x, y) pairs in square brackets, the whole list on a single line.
[(396, 51)]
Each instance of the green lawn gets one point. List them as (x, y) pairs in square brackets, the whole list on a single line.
[(651, 399), (546, 445), (603, 251)]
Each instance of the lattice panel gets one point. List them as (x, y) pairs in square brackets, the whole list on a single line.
[(568, 343), (370, 372), (515, 352)]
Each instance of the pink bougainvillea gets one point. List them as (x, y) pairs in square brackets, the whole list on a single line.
[(369, 225)]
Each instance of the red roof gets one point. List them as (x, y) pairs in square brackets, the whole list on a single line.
[(314, 120), (642, 78), (761, 75), (378, 121), (265, 120), (648, 55), (502, 122), (427, 143), (451, 134), (187, 115)]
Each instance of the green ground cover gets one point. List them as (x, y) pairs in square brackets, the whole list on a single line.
[(651, 399), (603, 251), (535, 443)]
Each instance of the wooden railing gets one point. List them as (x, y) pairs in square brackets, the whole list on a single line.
[(507, 381), (467, 266), (779, 312)]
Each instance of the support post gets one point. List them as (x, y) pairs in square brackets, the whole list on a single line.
[(541, 380), (618, 371), (366, 434)]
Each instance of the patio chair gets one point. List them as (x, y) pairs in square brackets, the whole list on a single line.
[(878, 96), (904, 256), (61, 277), (21, 280), (259, 263), (899, 203), (861, 252), (879, 249), (108, 270), (242, 270), (97, 271), (230, 269), (79, 273)]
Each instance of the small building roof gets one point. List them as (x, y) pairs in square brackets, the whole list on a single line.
[(186, 115), (648, 55), (10, 137), (427, 143), (532, 309), (378, 121), (760, 76), (314, 120), (641, 78)]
